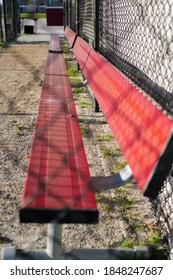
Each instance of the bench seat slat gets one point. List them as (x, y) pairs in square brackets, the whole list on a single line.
[(55, 65), (144, 133), (55, 44), (58, 184)]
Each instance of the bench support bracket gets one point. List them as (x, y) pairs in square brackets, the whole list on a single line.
[(78, 85), (110, 182)]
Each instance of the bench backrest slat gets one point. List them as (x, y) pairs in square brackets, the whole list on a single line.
[(81, 51), (70, 35), (143, 132)]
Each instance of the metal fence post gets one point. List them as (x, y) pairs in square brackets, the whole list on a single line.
[(77, 17), (96, 25), (5, 19), (1, 32)]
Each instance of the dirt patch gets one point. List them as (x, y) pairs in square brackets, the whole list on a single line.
[(21, 74)]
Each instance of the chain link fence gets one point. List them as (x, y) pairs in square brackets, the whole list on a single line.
[(9, 20), (136, 36)]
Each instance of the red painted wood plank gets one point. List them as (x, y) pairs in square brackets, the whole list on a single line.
[(81, 51), (55, 65), (58, 184), (55, 44), (144, 133), (70, 35)]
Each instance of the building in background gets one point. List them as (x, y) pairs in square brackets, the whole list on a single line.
[(37, 6)]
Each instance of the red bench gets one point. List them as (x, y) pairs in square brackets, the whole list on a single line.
[(70, 35), (143, 132), (55, 65), (55, 45), (58, 185), (81, 51)]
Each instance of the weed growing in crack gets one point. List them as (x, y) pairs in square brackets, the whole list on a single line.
[(105, 137)]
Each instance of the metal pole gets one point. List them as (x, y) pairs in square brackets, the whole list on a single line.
[(5, 19), (1, 36), (54, 248), (65, 13), (96, 25), (70, 6), (14, 18), (96, 40), (77, 17)]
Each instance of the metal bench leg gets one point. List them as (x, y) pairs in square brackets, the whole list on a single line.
[(78, 85), (54, 248), (73, 58), (8, 253), (96, 106), (110, 182)]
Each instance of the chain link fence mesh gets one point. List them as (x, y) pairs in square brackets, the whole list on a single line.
[(136, 36), (72, 12), (86, 20)]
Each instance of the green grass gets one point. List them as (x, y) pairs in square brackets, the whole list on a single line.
[(118, 165), (76, 95), (136, 227), (107, 152), (85, 104), (74, 79), (71, 70), (33, 16), (106, 137), (128, 243), (22, 128), (65, 48), (154, 237), (84, 130), (78, 90), (125, 202), (19, 129)]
